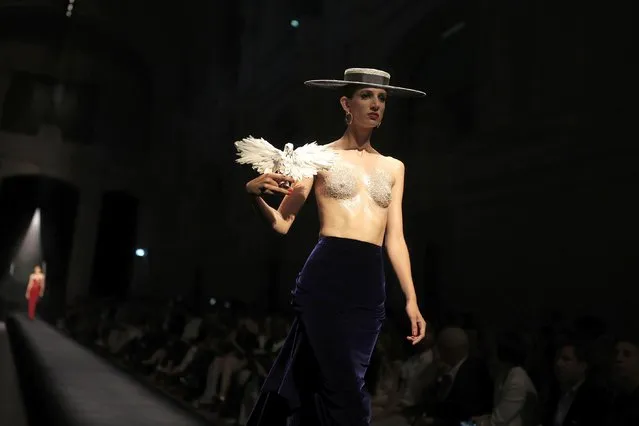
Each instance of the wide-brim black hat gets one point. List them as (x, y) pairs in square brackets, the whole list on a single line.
[(366, 77)]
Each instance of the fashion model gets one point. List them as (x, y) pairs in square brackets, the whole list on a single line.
[(35, 290), (339, 297)]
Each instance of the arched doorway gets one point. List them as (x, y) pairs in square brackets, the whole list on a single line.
[(37, 218)]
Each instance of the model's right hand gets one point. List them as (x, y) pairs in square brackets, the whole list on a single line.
[(269, 183)]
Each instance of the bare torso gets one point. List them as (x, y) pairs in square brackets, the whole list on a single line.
[(36, 279), (354, 195)]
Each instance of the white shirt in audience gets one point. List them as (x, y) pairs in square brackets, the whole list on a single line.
[(191, 329), (515, 400), (411, 373), (188, 358)]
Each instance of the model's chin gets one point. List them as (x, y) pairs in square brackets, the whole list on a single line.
[(367, 124), (370, 124)]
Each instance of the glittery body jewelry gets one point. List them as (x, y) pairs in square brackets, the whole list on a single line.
[(342, 182)]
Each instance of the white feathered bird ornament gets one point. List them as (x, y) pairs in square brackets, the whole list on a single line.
[(300, 163)]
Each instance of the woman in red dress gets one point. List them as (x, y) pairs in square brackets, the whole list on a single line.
[(35, 289)]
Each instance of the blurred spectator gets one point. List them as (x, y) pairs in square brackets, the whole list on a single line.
[(236, 351), (464, 388), (625, 407), (515, 400), (577, 399)]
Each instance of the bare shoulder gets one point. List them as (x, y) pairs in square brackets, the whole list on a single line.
[(332, 145), (394, 165)]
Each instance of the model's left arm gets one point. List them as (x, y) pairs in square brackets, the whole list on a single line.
[(44, 280), (398, 254)]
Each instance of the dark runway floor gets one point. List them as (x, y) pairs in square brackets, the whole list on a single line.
[(79, 386), (11, 405)]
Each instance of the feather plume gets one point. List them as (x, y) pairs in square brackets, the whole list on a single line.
[(300, 163)]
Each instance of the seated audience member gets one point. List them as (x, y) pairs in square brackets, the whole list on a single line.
[(403, 380), (178, 349), (252, 376), (601, 344), (119, 338), (238, 349), (463, 389), (152, 340), (106, 323), (515, 400), (625, 377), (194, 375), (383, 376), (189, 356), (577, 400), (269, 347), (414, 369)]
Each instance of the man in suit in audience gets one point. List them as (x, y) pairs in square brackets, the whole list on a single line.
[(464, 388), (578, 400), (625, 375)]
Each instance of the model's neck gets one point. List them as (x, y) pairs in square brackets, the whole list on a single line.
[(357, 138)]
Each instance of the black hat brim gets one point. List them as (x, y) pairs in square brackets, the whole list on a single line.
[(392, 90)]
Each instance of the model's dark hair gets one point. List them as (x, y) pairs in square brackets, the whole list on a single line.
[(350, 89)]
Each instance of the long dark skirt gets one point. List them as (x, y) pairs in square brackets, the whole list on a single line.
[(318, 376)]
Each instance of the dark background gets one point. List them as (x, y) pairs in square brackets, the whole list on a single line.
[(521, 164)]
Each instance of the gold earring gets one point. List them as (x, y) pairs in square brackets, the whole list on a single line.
[(348, 119), (379, 124)]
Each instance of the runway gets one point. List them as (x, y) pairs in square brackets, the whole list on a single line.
[(69, 385), (12, 410)]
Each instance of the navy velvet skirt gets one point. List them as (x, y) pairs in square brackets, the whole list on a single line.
[(318, 376)]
